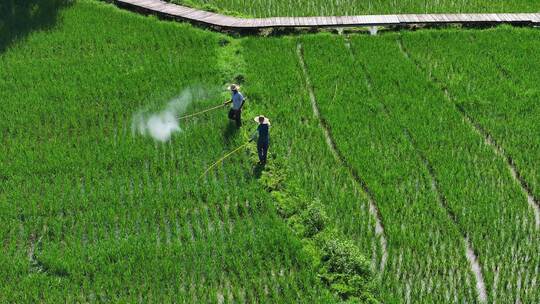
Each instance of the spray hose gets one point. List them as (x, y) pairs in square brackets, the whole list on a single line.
[(223, 158), (202, 112)]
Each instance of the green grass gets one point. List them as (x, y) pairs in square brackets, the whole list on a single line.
[(93, 212), (264, 8)]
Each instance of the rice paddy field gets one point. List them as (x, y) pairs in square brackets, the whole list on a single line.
[(403, 167), (297, 8)]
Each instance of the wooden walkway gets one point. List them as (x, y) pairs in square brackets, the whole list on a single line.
[(169, 10)]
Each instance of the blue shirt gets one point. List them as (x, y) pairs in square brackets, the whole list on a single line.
[(264, 135), (237, 100)]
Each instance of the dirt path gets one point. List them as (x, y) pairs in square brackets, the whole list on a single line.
[(533, 202), (359, 182)]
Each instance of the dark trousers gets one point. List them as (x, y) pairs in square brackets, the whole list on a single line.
[(236, 115), (262, 150)]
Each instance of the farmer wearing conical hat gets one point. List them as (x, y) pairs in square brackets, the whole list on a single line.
[(237, 100), (263, 138)]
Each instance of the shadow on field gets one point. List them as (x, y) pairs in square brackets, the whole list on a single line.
[(18, 18), (257, 171), (229, 133)]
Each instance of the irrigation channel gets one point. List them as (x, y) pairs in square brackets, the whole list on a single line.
[(358, 181)]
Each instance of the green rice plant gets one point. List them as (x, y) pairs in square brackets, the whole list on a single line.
[(420, 234), (493, 79), (475, 181)]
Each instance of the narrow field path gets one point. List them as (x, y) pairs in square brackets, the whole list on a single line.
[(379, 228), (533, 202), (184, 13), (470, 254)]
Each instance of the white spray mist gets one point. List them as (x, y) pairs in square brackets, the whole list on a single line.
[(160, 126)]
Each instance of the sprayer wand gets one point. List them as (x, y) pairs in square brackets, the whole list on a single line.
[(201, 112), (207, 110), (223, 158)]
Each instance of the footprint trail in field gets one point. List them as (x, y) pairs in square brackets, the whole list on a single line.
[(379, 228)]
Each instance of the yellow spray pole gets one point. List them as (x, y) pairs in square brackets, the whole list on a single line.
[(223, 158), (201, 112)]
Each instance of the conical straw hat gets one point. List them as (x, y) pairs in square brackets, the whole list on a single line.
[(265, 122), (233, 87)]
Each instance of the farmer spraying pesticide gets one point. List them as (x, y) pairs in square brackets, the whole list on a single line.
[(263, 138), (237, 100)]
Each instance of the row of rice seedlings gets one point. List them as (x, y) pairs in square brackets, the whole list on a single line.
[(501, 109), (507, 110), (476, 183), (417, 226)]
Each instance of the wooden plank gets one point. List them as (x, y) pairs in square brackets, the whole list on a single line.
[(256, 22), (159, 4), (300, 21), (527, 17), (471, 17), (209, 18), (516, 17), (134, 2), (426, 18), (267, 22), (446, 18), (321, 21), (502, 18), (173, 9), (145, 3), (417, 18), (287, 21), (350, 20), (404, 18), (510, 18), (490, 18), (455, 18), (422, 18), (392, 19), (532, 17), (342, 20)]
